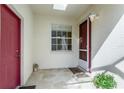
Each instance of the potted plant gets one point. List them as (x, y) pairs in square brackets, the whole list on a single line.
[(104, 81), (35, 67)]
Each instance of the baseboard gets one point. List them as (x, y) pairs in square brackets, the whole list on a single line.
[(59, 67)]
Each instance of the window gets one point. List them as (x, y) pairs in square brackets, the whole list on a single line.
[(61, 37)]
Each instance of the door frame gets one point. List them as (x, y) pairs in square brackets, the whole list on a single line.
[(11, 7), (88, 43)]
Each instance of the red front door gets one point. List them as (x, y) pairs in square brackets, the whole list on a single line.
[(85, 45), (9, 48)]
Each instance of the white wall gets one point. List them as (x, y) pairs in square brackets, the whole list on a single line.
[(26, 40), (107, 34), (42, 43)]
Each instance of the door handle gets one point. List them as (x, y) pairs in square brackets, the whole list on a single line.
[(17, 53)]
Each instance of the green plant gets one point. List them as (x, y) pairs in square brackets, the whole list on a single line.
[(104, 81)]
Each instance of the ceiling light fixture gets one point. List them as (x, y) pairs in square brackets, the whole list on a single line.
[(93, 16), (60, 6)]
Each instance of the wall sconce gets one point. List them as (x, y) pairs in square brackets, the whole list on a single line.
[(93, 16)]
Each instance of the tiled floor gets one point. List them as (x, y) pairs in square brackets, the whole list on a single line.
[(64, 79), (57, 79)]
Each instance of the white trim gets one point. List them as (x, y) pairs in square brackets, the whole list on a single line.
[(82, 49), (88, 43), (22, 43)]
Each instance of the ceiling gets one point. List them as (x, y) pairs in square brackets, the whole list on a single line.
[(72, 10)]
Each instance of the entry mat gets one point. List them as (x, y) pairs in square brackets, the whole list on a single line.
[(27, 87), (75, 70)]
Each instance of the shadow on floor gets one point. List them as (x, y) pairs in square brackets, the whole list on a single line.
[(112, 68)]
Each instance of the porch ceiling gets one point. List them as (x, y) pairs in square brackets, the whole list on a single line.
[(72, 10)]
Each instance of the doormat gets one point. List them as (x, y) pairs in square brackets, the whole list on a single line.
[(27, 87), (75, 70)]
